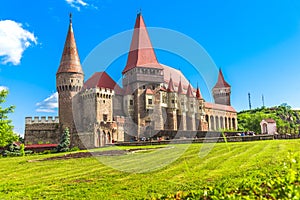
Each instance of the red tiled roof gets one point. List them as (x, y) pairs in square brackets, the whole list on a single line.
[(70, 61), (218, 107), (170, 86), (149, 91), (33, 146), (141, 52), (198, 94), (189, 92), (102, 80), (221, 81)]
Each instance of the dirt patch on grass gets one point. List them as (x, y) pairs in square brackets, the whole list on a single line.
[(94, 154)]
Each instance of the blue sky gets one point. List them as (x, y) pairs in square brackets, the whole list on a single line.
[(256, 43)]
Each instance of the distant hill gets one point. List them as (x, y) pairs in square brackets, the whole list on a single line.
[(287, 120)]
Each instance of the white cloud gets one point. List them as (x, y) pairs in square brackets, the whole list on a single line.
[(48, 105), (3, 88), (14, 40), (77, 4)]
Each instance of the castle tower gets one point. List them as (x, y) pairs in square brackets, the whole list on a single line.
[(142, 71), (69, 80), (191, 103), (142, 66), (172, 106), (181, 114), (222, 90)]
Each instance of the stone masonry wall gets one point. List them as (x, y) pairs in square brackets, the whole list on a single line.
[(42, 130)]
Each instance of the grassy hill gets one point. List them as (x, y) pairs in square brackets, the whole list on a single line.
[(288, 120), (199, 166)]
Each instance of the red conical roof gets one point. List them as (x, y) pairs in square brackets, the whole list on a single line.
[(141, 51), (70, 61), (180, 89), (221, 81), (189, 92), (170, 86), (198, 94)]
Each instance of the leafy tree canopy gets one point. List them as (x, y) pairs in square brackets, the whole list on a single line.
[(7, 135), (287, 120)]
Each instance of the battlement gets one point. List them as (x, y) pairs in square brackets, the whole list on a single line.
[(41, 120)]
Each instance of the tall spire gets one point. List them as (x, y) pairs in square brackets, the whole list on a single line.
[(189, 92), (70, 61), (180, 89), (141, 51), (170, 86), (221, 83), (198, 93)]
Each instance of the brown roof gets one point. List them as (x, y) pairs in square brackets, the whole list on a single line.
[(102, 80), (219, 107), (270, 120), (141, 52), (189, 92), (170, 86), (221, 81), (70, 61)]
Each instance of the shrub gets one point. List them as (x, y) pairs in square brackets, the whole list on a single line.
[(64, 144)]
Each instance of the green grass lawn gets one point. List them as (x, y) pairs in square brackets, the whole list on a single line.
[(142, 174)]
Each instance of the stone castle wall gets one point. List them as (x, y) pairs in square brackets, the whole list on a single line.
[(42, 130)]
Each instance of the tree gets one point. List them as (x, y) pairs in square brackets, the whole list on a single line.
[(7, 135), (64, 141)]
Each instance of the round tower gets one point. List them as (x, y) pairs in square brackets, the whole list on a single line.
[(69, 80)]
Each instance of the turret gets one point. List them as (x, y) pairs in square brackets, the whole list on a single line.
[(191, 108), (172, 95), (222, 90), (69, 79)]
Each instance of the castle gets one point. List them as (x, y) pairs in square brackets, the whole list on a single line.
[(154, 97)]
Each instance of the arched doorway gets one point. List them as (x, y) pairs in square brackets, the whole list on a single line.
[(265, 128), (217, 123), (212, 127), (233, 123), (222, 122)]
